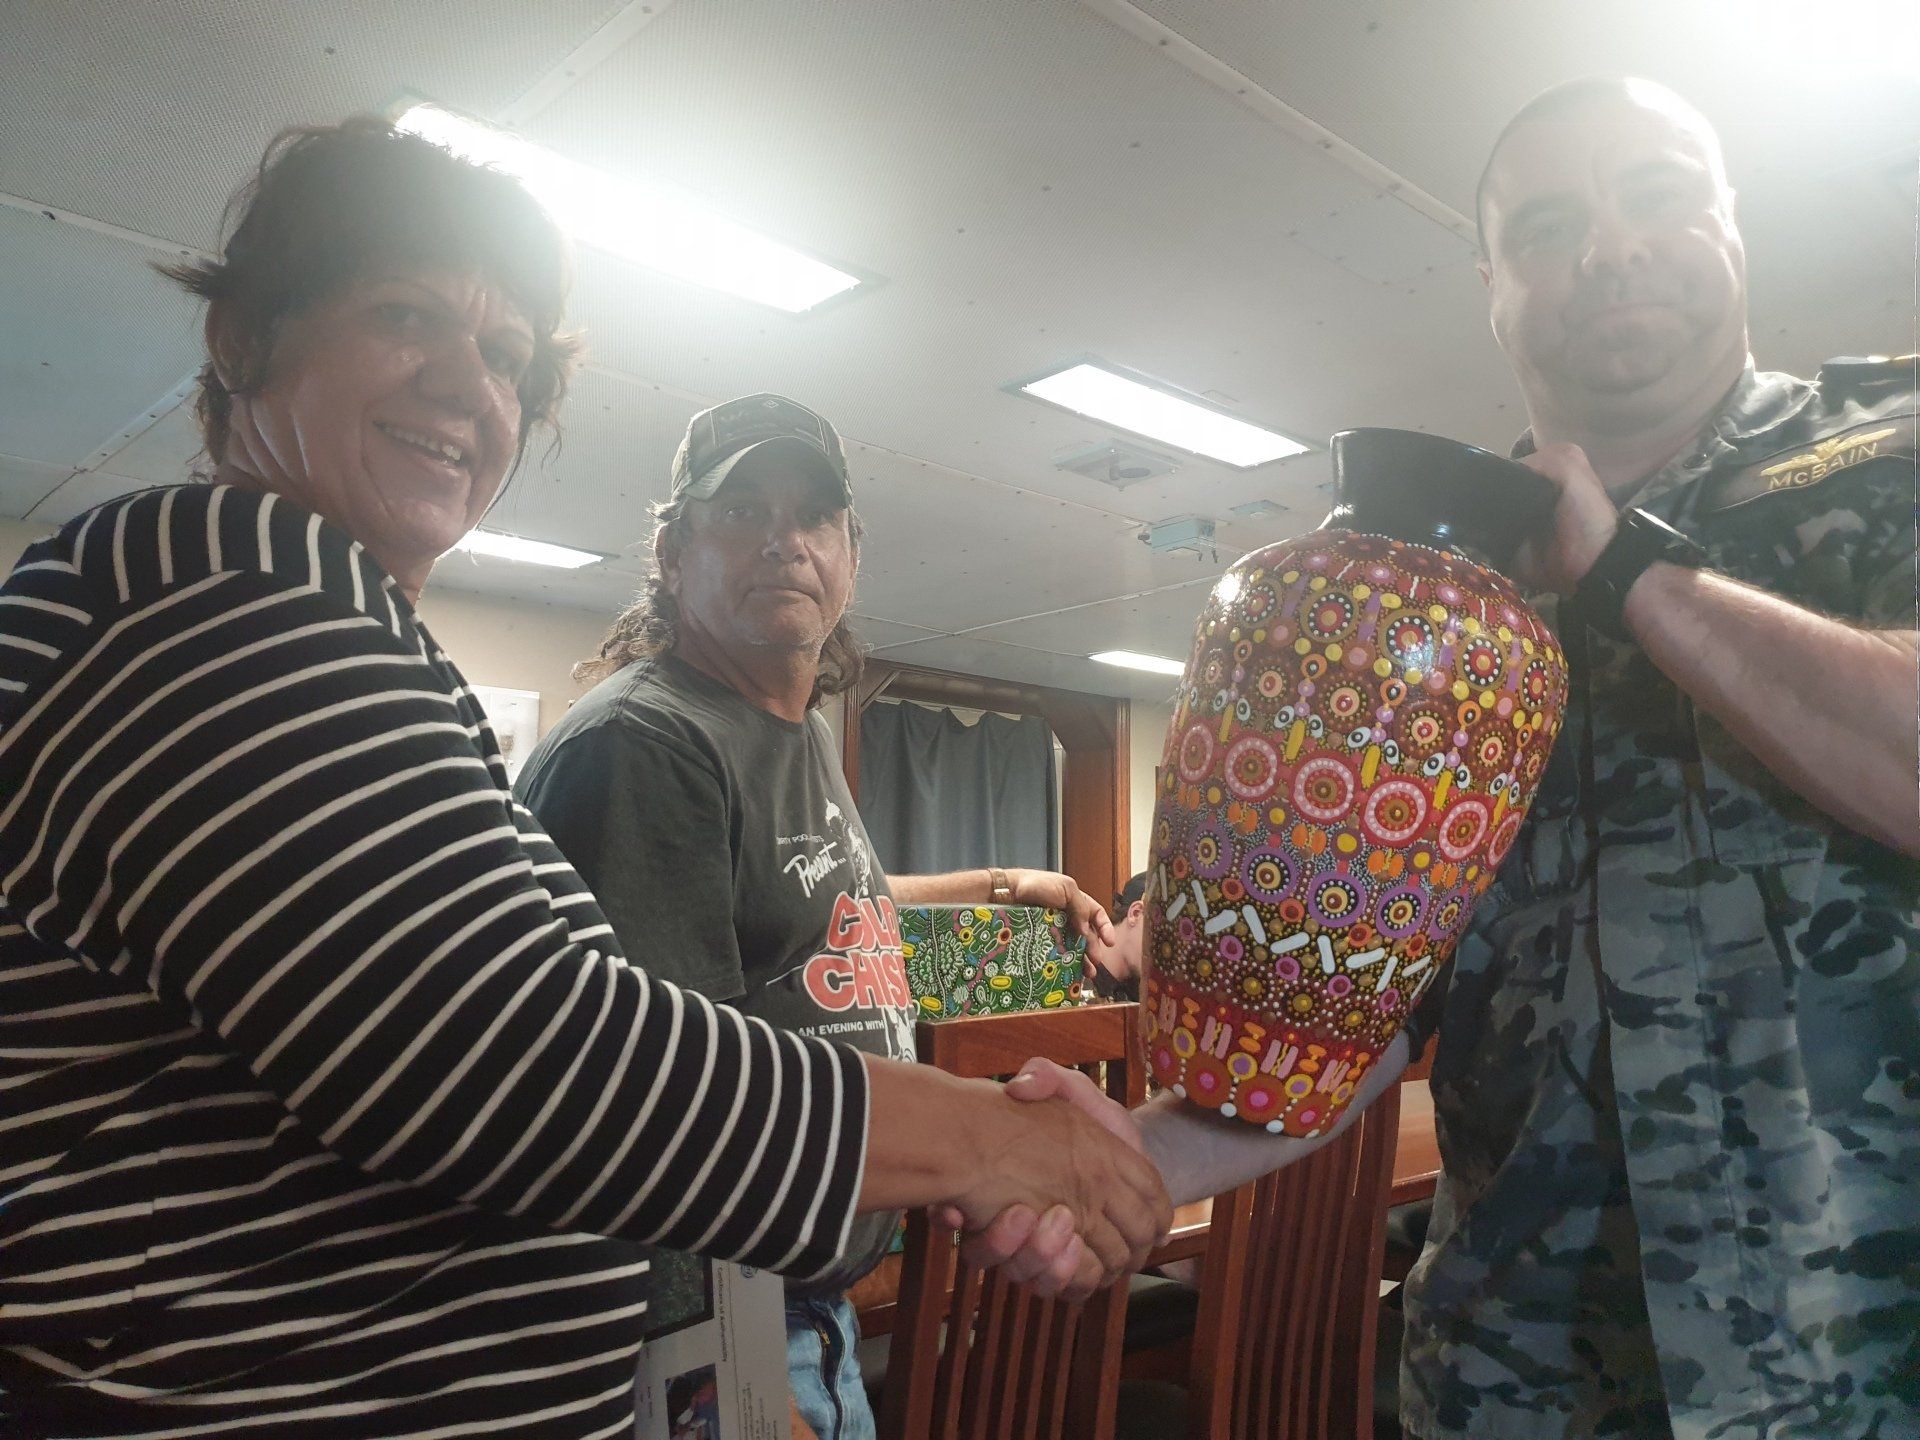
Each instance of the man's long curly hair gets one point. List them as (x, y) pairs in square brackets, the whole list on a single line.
[(650, 626)]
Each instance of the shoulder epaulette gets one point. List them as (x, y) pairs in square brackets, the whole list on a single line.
[(1868, 377)]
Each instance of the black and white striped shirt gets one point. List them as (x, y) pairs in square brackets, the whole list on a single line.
[(321, 1076)]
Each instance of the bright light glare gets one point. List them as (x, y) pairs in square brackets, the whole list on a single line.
[(1131, 661), (1101, 394), (1774, 33), (650, 226), (534, 552)]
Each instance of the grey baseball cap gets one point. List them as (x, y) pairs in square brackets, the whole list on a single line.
[(717, 439)]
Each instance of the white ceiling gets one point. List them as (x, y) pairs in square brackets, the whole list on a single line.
[(1194, 188)]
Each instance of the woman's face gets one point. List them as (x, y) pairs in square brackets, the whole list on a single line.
[(392, 409)]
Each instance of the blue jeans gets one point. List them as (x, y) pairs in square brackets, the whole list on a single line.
[(824, 1368)]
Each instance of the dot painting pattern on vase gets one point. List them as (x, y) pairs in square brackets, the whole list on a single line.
[(1358, 734)]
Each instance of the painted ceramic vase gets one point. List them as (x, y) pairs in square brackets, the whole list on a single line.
[(1363, 720)]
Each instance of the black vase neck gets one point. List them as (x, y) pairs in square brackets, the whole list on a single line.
[(1428, 490), (1394, 525)]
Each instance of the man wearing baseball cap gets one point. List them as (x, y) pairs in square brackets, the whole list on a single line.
[(698, 791)]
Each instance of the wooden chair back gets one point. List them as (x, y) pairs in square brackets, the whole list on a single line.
[(973, 1356), (1290, 1294)]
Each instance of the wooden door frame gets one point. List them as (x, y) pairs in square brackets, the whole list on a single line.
[(1096, 838)]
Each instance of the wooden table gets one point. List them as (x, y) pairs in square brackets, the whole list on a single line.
[(1416, 1169), (1416, 1158)]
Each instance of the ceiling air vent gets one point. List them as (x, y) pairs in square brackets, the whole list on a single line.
[(1118, 463), (1191, 534), (1258, 509)]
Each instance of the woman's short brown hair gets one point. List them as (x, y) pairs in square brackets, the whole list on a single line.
[(329, 201)]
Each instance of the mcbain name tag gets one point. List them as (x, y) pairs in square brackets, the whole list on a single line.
[(1806, 465)]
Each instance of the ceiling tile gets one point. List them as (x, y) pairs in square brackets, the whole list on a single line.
[(965, 655), (1029, 182), (1157, 624), (612, 461), (167, 451), (25, 483), (89, 336), (1425, 88), (81, 493), (1382, 240), (604, 589), (878, 634), (147, 116)]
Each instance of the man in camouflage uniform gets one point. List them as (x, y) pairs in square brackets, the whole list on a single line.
[(1678, 1073)]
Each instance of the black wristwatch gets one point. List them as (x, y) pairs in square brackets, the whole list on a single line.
[(1641, 540)]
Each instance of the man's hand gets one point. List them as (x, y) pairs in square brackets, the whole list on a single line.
[(1583, 522), (1085, 915), (1044, 1251), (1198, 1152)]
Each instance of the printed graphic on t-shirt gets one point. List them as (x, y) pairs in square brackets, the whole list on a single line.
[(816, 856), (856, 983)]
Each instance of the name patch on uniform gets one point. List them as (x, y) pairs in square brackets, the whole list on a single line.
[(1889, 438)]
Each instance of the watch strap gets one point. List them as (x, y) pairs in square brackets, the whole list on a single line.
[(1640, 541)]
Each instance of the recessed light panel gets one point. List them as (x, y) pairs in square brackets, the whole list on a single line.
[(649, 225), (1133, 661), (534, 552), (1116, 397)]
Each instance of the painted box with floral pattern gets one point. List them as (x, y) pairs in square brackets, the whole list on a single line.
[(990, 959)]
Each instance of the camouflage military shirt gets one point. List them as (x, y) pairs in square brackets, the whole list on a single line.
[(1678, 1075)]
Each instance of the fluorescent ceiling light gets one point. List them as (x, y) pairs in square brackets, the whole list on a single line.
[(1105, 393), (534, 552), (1132, 661), (652, 226)]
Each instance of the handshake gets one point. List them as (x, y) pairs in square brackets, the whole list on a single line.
[(1054, 1182), (1099, 1159), (1048, 1178), (1045, 1176)]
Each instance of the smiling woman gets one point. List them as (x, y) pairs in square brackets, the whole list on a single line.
[(411, 308), (332, 1106)]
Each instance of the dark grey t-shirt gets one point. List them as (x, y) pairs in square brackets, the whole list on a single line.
[(725, 850)]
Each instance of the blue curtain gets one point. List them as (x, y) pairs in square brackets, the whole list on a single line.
[(938, 794)]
